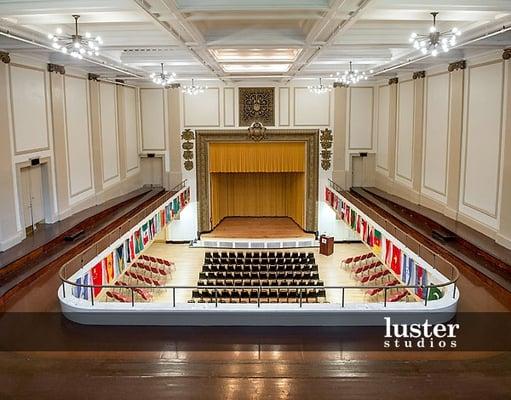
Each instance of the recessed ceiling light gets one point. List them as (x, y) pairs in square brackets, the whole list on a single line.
[(248, 55), (251, 68)]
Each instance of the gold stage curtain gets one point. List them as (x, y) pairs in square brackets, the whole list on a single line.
[(257, 157), (258, 195)]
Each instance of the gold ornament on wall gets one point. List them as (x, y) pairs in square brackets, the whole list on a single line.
[(256, 132), (188, 136), (256, 105), (326, 138)]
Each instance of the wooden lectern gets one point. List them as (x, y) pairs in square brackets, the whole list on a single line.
[(326, 245)]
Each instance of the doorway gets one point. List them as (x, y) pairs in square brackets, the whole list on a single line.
[(32, 197), (152, 171)]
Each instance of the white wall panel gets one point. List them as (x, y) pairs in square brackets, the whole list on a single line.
[(109, 136), (361, 118), (382, 155), (482, 141), (404, 136), (284, 106), (153, 119), (311, 109), (29, 109), (436, 144), (130, 113), (228, 106), (78, 136), (203, 109)]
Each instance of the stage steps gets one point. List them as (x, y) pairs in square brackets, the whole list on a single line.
[(219, 243)]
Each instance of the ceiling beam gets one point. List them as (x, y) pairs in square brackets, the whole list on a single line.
[(196, 48), (312, 51)]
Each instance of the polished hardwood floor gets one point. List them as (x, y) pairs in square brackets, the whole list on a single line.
[(257, 228), (87, 362)]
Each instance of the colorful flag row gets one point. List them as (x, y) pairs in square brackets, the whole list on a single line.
[(410, 272), (110, 267)]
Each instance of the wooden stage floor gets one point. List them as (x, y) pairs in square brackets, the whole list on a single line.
[(257, 228)]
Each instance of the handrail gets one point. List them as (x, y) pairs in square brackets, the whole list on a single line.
[(343, 288), (179, 186)]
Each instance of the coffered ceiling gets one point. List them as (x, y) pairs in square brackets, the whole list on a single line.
[(251, 40)]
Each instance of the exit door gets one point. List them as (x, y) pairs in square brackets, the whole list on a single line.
[(32, 196)]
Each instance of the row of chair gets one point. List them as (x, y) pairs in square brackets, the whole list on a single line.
[(260, 275), (258, 295), (259, 267), (249, 261), (258, 282), (257, 254), (357, 261)]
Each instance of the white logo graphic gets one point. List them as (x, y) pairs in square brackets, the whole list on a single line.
[(419, 336)]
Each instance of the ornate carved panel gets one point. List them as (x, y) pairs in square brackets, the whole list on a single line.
[(326, 138), (257, 105), (4, 57), (56, 68), (419, 75), (458, 65), (309, 136), (188, 136)]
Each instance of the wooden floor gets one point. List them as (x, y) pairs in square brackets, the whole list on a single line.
[(257, 228), (239, 363)]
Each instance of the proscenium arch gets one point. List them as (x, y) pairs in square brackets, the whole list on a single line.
[(309, 136)]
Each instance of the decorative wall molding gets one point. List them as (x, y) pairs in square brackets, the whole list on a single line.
[(458, 65), (205, 137), (93, 77), (393, 81), (257, 105), (326, 138), (173, 86), (188, 136), (506, 54), (4, 57), (56, 68), (419, 75)]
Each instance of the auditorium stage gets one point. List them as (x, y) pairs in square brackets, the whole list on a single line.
[(257, 228)]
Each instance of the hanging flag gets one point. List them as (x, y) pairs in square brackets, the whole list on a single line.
[(371, 237), (407, 270), (109, 262), (395, 264), (86, 282), (127, 256), (376, 242), (435, 293), (359, 225), (133, 253), (145, 234), (168, 213), (328, 194), (119, 259), (353, 219), (388, 252), (421, 279), (77, 290), (139, 244), (97, 277)]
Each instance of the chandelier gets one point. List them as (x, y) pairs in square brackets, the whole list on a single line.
[(434, 40), (194, 89), (163, 78), (351, 76), (75, 45), (320, 89)]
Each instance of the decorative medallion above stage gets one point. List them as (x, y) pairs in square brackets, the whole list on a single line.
[(273, 177), (257, 105)]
